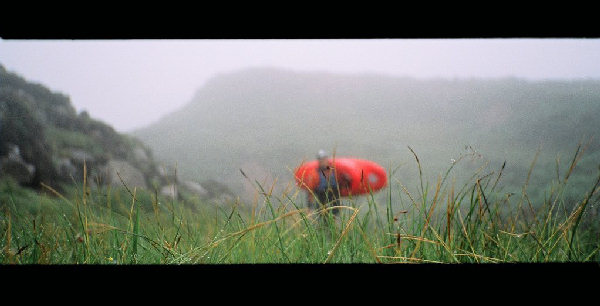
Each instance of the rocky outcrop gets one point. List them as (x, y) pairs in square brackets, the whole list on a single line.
[(175, 187), (15, 166), (117, 170), (80, 156), (195, 188), (67, 170), (56, 142), (44, 140), (140, 155), (169, 191), (217, 190)]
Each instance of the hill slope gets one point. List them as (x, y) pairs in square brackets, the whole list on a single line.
[(266, 120), (41, 129), (44, 140)]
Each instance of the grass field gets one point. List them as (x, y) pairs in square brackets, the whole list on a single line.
[(444, 222)]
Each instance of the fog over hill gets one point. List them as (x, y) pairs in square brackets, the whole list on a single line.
[(267, 120)]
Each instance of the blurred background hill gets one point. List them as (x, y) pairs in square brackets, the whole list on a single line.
[(267, 120)]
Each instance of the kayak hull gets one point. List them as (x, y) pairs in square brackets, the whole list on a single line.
[(365, 176)]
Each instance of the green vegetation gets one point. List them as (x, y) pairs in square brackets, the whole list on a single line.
[(443, 222)]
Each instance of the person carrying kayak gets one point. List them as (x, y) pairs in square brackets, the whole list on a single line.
[(327, 190)]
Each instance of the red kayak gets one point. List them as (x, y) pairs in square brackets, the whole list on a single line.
[(365, 175)]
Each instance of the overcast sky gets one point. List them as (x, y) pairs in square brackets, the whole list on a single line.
[(132, 83)]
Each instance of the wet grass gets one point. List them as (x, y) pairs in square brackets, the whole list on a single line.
[(443, 222)]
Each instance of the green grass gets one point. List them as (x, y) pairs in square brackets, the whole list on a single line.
[(443, 222), (61, 138)]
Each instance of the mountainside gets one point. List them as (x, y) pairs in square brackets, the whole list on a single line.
[(266, 121), (44, 140), (41, 129)]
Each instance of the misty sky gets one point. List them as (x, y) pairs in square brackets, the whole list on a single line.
[(132, 83)]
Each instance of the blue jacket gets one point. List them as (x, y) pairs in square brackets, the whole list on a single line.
[(324, 183)]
